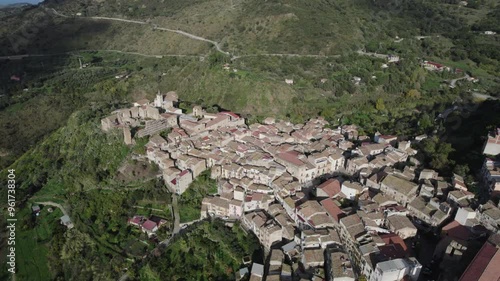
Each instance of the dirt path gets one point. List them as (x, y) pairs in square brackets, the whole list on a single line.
[(54, 204), (154, 209), (177, 217)]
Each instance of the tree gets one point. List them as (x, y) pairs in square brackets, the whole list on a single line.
[(380, 105), (461, 170), (413, 93), (217, 59), (436, 152), (164, 133), (425, 122)]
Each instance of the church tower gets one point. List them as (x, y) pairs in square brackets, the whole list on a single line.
[(158, 100)]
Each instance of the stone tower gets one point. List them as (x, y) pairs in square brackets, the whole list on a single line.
[(197, 111)]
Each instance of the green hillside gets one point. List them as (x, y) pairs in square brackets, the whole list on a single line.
[(51, 103)]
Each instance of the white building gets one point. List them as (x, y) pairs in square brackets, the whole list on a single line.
[(396, 270), (257, 272), (492, 145), (464, 215), (352, 189)]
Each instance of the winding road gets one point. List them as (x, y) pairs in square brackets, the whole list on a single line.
[(156, 27), (195, 37), (216, 44), (453, 82)]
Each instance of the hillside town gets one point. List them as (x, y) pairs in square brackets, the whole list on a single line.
[(326, 203)]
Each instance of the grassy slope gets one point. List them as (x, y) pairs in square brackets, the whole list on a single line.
[(69, 167), (212, 251), (33, 245)]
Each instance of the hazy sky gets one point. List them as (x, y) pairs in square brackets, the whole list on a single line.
[(3, 2)]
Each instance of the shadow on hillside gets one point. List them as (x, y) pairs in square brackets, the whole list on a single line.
[(51, 37), (48, 38), (467, 130), (36, 97)]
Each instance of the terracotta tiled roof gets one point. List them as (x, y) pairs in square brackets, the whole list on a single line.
[(149, 225), (484, 266), (291, 157), (332, 209), (331, 187)]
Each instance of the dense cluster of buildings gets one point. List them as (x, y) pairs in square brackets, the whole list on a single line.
[(324, 202)]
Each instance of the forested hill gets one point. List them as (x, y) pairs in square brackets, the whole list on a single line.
[(64, 65)]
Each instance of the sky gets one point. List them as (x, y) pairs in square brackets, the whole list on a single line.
[(5, 2)]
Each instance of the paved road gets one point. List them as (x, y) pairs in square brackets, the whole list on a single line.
[(285, 55), (195, 37), (117, 19), (55, 12), (453, 82), (380, 56), (182, 225)]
